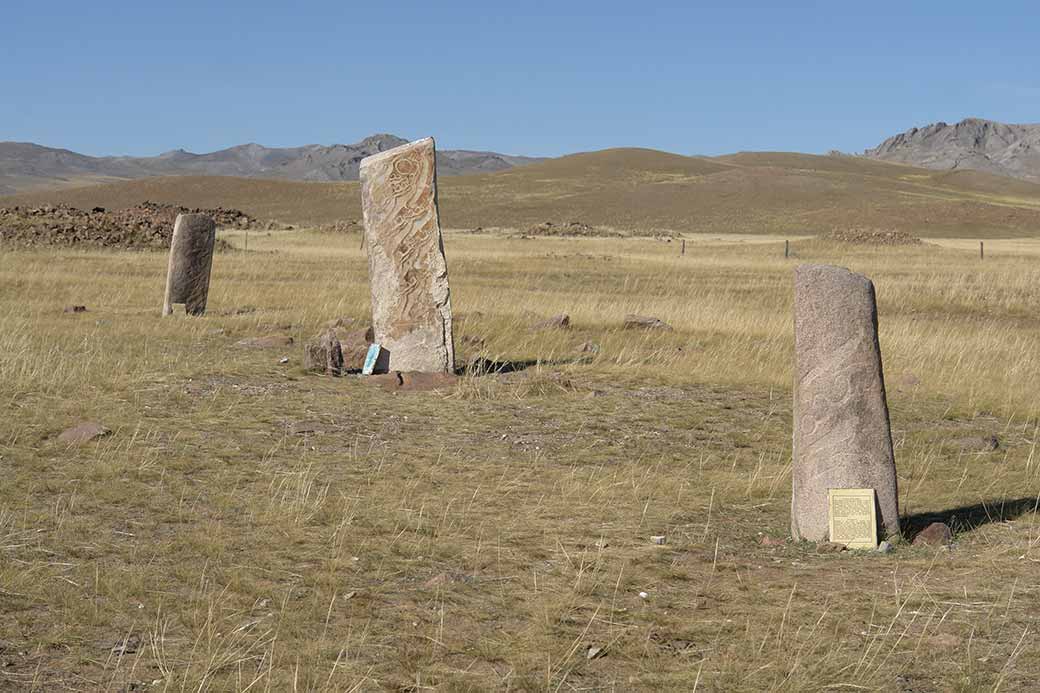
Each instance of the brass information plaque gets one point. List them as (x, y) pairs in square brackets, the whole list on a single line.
[(853, 517)]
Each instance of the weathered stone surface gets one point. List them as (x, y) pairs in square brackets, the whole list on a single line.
[(191, 259), (935, 534), (411, 304), (842, 437), (643, 322), (268, 342), (83, 433), (323, 354)]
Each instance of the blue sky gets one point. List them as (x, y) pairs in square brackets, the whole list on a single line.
[(542, 78)]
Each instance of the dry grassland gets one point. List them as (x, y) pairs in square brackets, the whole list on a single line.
[(247, 526)]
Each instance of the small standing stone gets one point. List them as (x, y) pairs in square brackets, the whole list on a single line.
[(191, 259), (842, 437), (408, 274)]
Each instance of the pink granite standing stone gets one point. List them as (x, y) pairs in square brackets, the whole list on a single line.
[(842, 437)]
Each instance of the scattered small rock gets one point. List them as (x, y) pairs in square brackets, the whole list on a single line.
[(284, 360), (556, 322), (986, 443), (884, 547), (658, 539), (75, 309), (909, 380), (594, 652), (589, 348), (935, 534), (268, 342), (83, 433), (830, 547), (766, 540), (643, 322), (302, 427), (644, 595)]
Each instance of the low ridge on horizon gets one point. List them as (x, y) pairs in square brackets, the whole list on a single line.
[(635, 190), (27, 166)]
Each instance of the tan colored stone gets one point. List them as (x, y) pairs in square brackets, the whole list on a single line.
[(556, 322), (842, 437), (83, 433), (411, 304), (644, 322), (191, 259)]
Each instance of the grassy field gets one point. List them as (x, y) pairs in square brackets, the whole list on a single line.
[(247, 526)]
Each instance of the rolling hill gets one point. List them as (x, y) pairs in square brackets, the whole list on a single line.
[(641, 190), (27, 166)]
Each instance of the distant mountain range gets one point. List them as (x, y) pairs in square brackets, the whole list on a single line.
[(27, 166), (973, 144)]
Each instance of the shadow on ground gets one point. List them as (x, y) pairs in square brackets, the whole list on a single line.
[(484, 366), (969, 517)]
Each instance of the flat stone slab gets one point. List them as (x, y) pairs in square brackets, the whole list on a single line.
[(408, 274), (645, 322), (83, 433)]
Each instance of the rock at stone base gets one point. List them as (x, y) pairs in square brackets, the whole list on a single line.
[(354, 344), (830, 547), (83, 433), (411, 381), (556, 322), (269, 342), (642, 322), (935, 534), (75, 309), (884, 547), (323, 354)]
